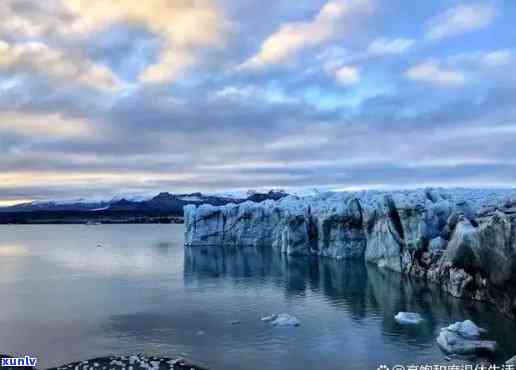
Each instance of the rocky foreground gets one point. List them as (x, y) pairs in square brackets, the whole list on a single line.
[(462, 239), (130, 362), (133, 362)]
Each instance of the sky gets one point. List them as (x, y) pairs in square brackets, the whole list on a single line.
[(99, 98)]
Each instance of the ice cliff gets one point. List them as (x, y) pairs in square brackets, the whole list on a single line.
[(462, 239)]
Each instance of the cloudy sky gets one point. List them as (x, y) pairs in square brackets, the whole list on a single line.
[(100, 97)]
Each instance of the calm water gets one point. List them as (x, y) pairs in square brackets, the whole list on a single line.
[(65, 299)]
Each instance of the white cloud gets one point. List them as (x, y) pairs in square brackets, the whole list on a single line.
[(236, 92), (498, 58), (431, 72), (252, 93), (341, 63), (56, 63), (485, 66), (337, 63), (185, 26), (35, 20), (291, 37), (298, 141), (460, 19), (116, 179), (42, 126), (347, 75), (334, 57), (390, 46)]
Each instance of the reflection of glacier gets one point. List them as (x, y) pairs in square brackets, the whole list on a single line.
[(332, 277), (340, 282), (362, 289), (206, 262), (362, 292), (336, 280)]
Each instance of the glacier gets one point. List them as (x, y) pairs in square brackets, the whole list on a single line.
[(462, 239)]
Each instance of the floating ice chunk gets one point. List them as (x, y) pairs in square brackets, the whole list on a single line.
[(466, 329), (410, 318), (269, 318), (284, 319), (464, 338)]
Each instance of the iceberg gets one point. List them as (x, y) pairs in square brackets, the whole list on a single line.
[(463, 338)]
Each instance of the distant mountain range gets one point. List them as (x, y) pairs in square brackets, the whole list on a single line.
[(165, 207)]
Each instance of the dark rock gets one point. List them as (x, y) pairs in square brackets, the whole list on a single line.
[(133, 362), (511, 362)]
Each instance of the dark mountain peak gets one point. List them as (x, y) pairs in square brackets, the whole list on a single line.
[(272, 194), (164, 196), (198, 194), (123, 201)]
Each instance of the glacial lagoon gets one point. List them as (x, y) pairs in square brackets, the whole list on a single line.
[(72, 292)]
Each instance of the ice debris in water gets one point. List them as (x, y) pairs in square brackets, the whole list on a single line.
[(282, 319), (408, 318)]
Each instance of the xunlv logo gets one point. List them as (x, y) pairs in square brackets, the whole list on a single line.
[(19, 361)]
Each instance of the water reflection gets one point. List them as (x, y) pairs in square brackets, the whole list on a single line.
[(363, 291), (69, 299), (298, 276), (11, 250)]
